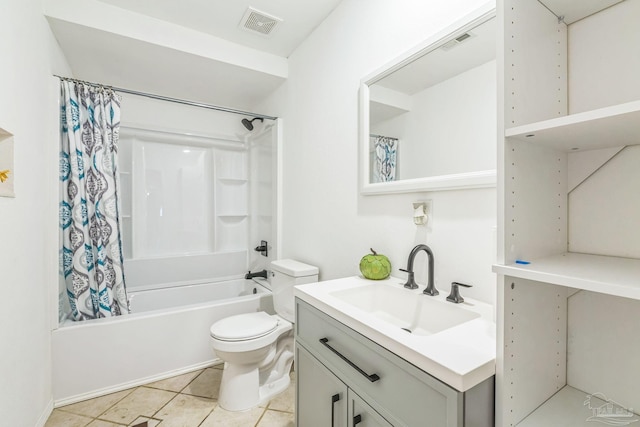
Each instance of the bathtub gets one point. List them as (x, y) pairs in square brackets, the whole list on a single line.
[(167, 334)]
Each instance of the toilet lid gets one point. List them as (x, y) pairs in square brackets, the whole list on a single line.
[(244, 326)]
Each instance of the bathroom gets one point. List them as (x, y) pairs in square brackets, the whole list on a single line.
[(314, 89)]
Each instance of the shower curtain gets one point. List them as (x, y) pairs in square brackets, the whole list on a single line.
[(91, 253)]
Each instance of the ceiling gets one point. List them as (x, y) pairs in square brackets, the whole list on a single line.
[(220, 18), (191, 49)]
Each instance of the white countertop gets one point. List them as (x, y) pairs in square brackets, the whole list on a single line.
[(462, 356)]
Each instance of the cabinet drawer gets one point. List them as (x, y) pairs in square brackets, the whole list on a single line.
[(408, 395)]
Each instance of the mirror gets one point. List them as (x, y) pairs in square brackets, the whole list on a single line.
[(428, 119)]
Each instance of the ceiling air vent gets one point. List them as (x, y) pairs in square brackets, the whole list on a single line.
[(455, 42), (259, 22)]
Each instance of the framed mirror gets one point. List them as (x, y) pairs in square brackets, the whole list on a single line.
[(428, 120)]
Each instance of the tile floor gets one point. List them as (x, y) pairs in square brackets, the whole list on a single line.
[(188, 400)]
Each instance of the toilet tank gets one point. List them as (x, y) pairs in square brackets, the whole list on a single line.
[(286, 273)]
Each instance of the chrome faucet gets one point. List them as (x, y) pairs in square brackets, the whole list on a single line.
[(411, 283)]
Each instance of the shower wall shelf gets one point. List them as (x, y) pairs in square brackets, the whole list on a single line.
[(233, 180)]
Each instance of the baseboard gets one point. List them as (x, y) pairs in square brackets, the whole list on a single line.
[(132, 384), (45, 414)]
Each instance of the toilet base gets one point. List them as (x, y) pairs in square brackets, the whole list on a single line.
[(245, 386)]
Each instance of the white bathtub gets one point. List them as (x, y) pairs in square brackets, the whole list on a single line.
[(167, 334)]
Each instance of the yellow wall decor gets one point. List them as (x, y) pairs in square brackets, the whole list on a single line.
[(7, 172)]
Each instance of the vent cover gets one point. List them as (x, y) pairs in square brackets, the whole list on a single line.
[(259, 22), (455, 42)]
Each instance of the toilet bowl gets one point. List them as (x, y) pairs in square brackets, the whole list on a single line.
[(258, 348)]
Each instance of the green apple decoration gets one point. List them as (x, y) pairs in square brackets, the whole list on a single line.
[(375, 266)]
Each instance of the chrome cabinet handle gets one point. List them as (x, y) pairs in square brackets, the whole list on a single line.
[(372, 377), (334, 399)]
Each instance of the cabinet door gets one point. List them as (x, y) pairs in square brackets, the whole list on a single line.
[(363, 415), (321, 397)]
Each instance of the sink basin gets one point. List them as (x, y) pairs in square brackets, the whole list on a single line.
[(455, 343), (406, 309)]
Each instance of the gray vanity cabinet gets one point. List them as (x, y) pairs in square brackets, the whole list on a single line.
[(374, 386), (362, 415), (324, 400), (321, 396)]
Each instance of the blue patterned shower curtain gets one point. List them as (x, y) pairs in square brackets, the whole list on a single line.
[(91, 254)]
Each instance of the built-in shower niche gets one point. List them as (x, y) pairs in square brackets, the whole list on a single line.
[(185, 207), (231, 200)]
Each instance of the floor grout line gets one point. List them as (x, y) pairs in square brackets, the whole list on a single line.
[(176, 394)]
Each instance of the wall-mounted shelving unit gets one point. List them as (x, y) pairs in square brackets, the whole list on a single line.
[(567, 91)]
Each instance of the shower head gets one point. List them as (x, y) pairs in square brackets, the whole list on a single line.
[(249, 123)]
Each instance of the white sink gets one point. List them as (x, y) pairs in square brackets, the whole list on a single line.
[(409, 310), (452, 342)]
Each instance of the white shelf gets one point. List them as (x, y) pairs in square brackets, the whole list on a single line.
[(602, 128), (604, 274), (232, 180), (571, 407), (573, 11)]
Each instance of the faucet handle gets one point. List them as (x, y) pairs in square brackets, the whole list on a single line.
[(411, 283), (455, 296)]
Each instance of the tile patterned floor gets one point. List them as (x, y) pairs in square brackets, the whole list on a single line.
[(188, 400)]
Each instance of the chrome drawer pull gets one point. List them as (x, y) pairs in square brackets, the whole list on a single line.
[(372, 377)]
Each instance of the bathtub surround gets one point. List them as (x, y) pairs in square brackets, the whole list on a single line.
[(199, 193), (91, 253)]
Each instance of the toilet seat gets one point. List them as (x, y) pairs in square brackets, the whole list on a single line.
[(242, 327)]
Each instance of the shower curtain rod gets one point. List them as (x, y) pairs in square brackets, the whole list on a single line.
[(382, 136), (168, 99)]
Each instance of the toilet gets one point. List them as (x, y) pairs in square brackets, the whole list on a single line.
[(258, 348)]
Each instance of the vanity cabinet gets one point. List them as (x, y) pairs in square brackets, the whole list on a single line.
[(374, 387), (568, 259), (324, 400)]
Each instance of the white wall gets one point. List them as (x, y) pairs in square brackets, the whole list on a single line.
[(326, 221), (28, 223)]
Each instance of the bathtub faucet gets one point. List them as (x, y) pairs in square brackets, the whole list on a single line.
[(251, 275)]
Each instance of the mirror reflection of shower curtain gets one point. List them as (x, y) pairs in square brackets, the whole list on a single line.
[(384, 158)]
